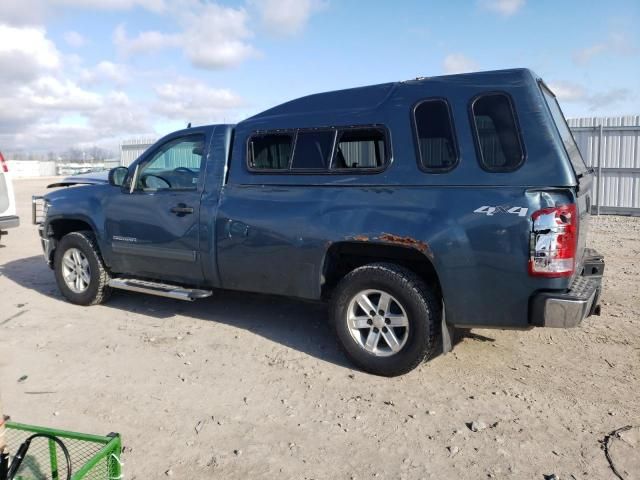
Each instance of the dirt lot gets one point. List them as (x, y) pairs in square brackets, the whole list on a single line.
[(278, 400)]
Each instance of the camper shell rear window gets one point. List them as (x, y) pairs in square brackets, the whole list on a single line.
[(579, 166)]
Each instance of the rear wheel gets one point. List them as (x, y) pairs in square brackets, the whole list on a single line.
[(386, 318), (79, 270)]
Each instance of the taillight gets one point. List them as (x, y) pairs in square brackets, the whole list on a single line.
[(554, 241), (3, 163)]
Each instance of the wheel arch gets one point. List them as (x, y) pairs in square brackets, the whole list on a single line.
[(58, 227), (345, 256)]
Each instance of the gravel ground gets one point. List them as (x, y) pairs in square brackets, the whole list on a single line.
[(274, 398)]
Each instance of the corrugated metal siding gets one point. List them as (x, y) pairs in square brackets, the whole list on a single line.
[(611, 146), (130, 150)]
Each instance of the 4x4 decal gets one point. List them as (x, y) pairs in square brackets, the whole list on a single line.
[(489, 210)]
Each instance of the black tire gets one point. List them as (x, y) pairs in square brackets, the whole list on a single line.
[(422, 307), (98, 290)]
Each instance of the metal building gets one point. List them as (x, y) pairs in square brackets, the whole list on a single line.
[(611, 145), (131, 149)]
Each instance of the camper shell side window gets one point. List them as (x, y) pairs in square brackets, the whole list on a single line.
[(497, 135), (269, 151), (434, 135), (326, 150), (361, 148)]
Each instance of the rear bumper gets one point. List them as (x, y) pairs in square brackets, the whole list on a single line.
[(12, 221), (568, 309)]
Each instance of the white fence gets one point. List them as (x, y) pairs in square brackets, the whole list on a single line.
[(51, 168), (612, 147), (32, 168)]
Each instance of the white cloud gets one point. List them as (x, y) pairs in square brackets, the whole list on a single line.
[(190, 100), (459, 63), (286, 17), (144, 42), (30, 43), (213, 37), (39, 116), (594, 101), (50, 93), (39, 94), (105, 71), (74, 39), (152, 5), (505, 8), (47, 102), (34, 12), (617, 43), (568, 92), (25, 54), (609, 98), (23, 12), (118, 116), (42, 101), (216, 37)]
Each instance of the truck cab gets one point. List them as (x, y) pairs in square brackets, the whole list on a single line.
[(414, 207)]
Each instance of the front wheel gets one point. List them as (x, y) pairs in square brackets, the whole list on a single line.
[(386, 318), (80, 273)]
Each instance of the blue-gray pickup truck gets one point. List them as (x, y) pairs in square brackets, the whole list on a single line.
[(414, 207)]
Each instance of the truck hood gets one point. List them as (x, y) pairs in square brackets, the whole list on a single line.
[(92, 178)]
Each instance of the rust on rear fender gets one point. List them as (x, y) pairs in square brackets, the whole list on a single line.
[(391, 238), (406, 242)]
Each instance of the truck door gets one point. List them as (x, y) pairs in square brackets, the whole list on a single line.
[(152, 228)]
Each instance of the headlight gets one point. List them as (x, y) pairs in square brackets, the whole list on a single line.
[(39, 209)]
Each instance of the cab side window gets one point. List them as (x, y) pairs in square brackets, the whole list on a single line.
[(497, 133), (434, 131), (176, 165)]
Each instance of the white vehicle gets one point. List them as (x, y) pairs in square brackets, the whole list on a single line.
[(8, 217)]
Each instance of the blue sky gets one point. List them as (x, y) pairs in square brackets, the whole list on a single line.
[(85, 72)]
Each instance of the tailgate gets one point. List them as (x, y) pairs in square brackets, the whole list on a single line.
[(583, 202), (583, 174)]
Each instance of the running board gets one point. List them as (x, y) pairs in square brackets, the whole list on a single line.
[(159, 289)]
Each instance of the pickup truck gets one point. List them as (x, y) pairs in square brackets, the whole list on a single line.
[(413, 207)]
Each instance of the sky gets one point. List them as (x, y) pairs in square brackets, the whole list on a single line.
[(78, 73)]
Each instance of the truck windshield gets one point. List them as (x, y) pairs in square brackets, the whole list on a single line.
[(567, 137)]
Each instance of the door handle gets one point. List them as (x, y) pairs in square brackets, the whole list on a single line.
[(182, 209)]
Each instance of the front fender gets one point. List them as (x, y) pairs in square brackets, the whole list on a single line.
[(80, 204)]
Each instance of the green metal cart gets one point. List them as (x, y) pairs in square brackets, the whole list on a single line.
[(92, 457)]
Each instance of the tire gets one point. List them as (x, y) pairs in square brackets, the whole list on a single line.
[(81, 246), (411, 302)]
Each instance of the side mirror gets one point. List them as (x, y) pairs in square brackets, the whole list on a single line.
[(117, 176)]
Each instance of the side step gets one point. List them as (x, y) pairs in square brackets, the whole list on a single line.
[(159, 289)]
